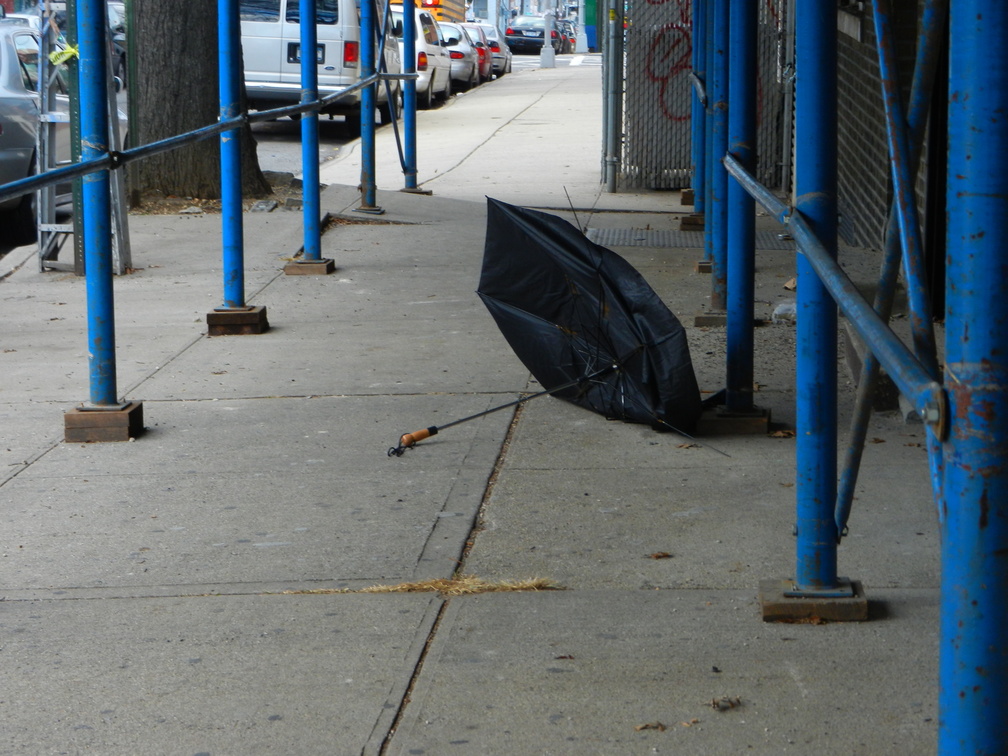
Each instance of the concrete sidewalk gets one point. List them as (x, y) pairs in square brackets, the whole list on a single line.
[(180, 594)]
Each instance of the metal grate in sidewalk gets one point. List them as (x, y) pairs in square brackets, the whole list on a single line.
[(636, 237)]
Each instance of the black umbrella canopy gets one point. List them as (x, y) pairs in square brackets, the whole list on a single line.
[(574, 311)]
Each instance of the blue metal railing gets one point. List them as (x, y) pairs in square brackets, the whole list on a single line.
[(967, 424), (929, 42), (97, 160)]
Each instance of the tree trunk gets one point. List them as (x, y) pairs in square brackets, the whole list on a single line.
[(175, 88)]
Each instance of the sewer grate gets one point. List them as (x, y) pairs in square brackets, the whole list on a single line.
[(636, 237)]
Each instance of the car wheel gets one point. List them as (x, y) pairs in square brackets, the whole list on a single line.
[(426, 101), (474, 80), (446, 95), (352, 124), (20, 222)]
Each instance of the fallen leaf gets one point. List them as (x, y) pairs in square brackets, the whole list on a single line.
[(791, 284), (878, 440), (686, 446), (690, 723), (564, 656), (786, 433), (788, 485), (651, 726), (660, 555)]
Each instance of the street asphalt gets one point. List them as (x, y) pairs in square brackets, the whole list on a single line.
[(202, 588)]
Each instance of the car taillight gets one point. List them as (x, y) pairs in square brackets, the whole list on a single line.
[(495, 46), (482, 54), (509, 32), (455, 55), (421, 61), (351, 54), (554, 35)]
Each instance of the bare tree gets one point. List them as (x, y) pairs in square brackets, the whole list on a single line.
[(175, 90)]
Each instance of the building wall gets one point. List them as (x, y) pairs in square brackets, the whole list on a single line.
[(865, 183)]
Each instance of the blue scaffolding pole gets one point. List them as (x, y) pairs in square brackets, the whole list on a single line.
[(97, 204), (816, 381), (708, 136), (368, 100), (409, 96), (741, 209), (716, 226), (973, 666), (309, 135), (229, 42), (698, 115)]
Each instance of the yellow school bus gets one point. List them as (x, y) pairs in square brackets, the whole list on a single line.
[(443, 10)]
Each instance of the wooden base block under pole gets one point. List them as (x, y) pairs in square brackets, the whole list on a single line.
[(322, 267), (96, 424), (239, 321)]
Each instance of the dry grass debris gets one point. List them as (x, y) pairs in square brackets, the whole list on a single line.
[(463, 585)]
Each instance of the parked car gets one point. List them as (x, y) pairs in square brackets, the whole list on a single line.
[(432, 64), (499, 49), (525, 34), (569, 35), (19, 127), (465, 58), (117, 27), (271, 42), (19, 124), (482, 45)]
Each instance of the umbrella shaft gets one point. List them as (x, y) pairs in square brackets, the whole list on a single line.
[(522, 400)]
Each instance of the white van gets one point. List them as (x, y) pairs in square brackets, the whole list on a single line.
[(271, 43)]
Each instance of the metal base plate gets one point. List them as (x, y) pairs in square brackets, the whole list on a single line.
[(781, 602)]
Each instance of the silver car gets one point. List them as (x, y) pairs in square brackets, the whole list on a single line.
[(19, 122), (498, 47), (465, 71)]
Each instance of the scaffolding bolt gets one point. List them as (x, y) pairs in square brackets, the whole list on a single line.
[(932, 413)]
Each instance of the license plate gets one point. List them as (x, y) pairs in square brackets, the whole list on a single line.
[(531, 34), (294, 53)]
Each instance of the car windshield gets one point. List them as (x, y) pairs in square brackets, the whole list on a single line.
[(530, 22)]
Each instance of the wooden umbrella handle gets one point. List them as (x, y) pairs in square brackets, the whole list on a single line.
[(408, 440)]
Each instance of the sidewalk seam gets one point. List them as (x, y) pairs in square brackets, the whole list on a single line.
[(387, 732)]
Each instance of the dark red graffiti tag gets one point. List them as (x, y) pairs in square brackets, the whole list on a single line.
[(670, 57)]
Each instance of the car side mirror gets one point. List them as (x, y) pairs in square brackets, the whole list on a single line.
[(452, 41)]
